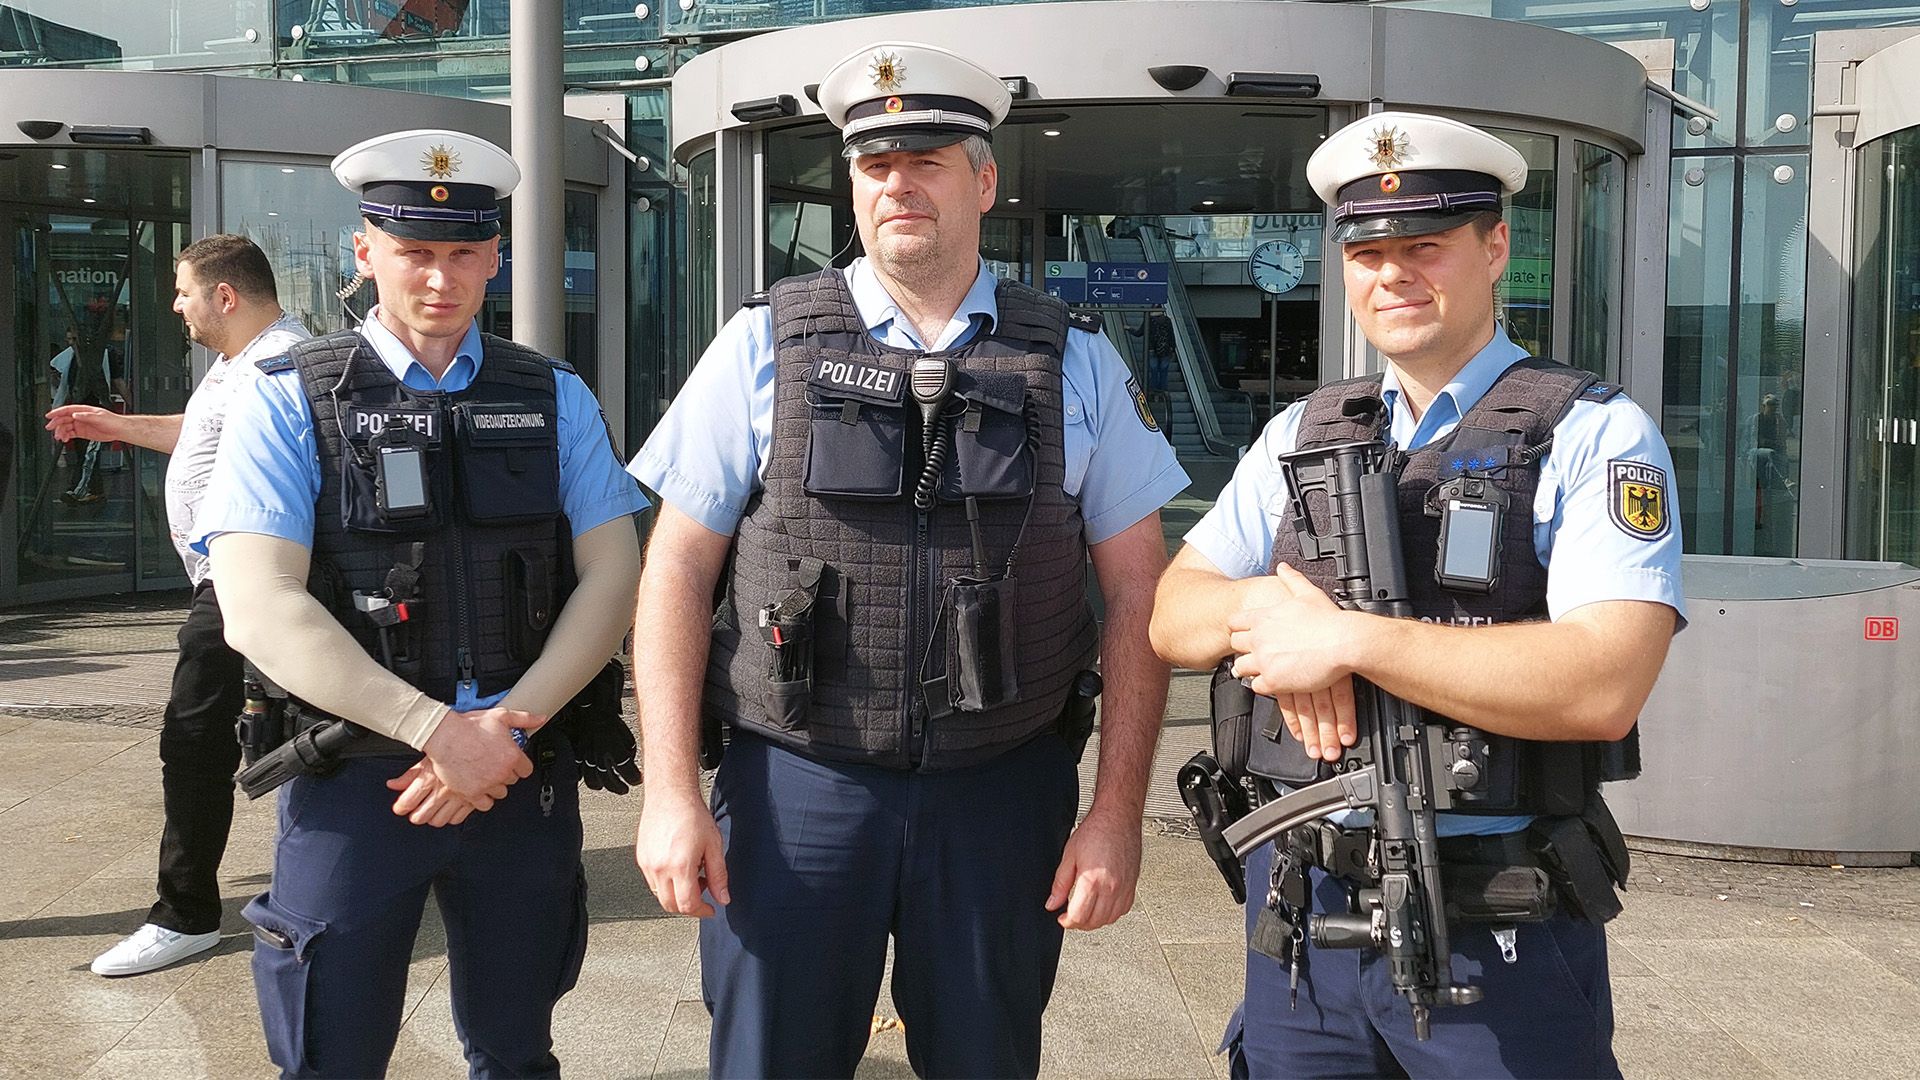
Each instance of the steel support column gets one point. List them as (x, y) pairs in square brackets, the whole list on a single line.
[(539, 219)]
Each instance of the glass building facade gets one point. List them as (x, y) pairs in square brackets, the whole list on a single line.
[(1737, 358)]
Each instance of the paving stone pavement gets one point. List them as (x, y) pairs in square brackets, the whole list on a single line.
[(1720, 969)]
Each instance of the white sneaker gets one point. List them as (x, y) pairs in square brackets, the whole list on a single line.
[(150, 948)]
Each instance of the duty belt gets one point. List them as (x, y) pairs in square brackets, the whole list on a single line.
[(303, 717), (1346, 853)]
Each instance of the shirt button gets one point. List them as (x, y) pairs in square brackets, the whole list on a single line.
[(1073, 410)]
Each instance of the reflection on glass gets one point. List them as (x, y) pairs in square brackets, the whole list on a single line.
[(1780, 59), (150, 34), (304, 221), (1694, 415), (1599, 240), (1883, 482), (73, 295), (1525, 298), (581, 294), (703, 248), (162, 377), (1706, 42), (1767, 373)]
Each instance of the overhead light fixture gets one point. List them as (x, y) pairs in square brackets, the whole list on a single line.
[(89, 201), (1206, 202), (1051, 133), (1016, 86), (1177, 76), (286, 169), (58, 165), (1272, 84), (273, 213), (110, 134), (39, 129), (777, 107), (1014, 199)]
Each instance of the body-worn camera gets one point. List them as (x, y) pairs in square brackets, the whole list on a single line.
[(1473, 513)]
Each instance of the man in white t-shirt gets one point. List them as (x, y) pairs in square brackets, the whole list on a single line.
[(224, 291)]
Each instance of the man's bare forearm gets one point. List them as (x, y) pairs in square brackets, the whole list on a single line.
[(673, 621), (1135, 695), (1192, 606), (1584, 677), (161, 433), (1132, 704)]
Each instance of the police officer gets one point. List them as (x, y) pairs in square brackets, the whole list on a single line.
[(898, 471), (423, 530), (225, 293), (1559, 656)]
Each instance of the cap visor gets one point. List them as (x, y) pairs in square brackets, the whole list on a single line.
[(918, 140), (438, 231), (1388, 226)]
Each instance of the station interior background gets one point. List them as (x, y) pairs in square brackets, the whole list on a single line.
[(92, 233)]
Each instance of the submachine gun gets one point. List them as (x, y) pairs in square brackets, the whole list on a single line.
[(1391, 769)]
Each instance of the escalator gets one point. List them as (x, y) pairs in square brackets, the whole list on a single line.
[(1214, 423)]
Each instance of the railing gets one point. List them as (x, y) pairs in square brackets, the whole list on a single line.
[(1196, 365)]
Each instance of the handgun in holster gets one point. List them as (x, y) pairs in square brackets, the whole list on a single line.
[(1216, 801)]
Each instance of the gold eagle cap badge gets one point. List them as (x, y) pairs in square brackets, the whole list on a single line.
[(441, 162), (1390, 147), (887, 70)]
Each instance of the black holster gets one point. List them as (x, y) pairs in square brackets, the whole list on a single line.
[(1076, 716), (1586, 858)]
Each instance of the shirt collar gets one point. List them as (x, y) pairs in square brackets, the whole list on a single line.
[(883, 319), (285, 324), (399, 359), (1454, 400)]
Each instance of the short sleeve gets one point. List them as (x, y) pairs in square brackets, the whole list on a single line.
[(593, 488), (1613, 528), (705, 456), (1236, 535), (266, 474), (1131, 470)]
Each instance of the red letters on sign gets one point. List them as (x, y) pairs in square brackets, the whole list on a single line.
[(1883, 628)]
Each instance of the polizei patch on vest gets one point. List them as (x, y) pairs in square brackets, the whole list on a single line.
[(865, 382), (1637, 499), (364, 423)]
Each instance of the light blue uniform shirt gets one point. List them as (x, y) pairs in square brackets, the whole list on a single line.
[(266, 477), (1597, 558), (709, 453)]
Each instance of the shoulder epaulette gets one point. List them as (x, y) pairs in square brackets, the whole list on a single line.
[(1089, 321), (273, 365), (561, 365), (1601, 392), (759, 299)]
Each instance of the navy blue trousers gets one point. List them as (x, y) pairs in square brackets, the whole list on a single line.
[(825, 860), (1549, 1013), (335, 932)]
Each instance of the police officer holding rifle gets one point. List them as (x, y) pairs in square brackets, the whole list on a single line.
[(1452, 695)]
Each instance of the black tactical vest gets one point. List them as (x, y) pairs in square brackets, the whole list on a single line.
[(836, 519), (1519, 410), (486, 567)]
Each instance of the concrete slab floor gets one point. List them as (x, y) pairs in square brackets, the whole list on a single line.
[(1720, 969)]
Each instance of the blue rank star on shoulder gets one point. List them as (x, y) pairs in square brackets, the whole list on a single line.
[(273, 365)]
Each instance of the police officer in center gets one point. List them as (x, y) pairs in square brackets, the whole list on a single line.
[(1558, 657), (423, 530), (897, 472)]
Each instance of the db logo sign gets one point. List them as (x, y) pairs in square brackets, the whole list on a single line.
[(1883, 628)]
